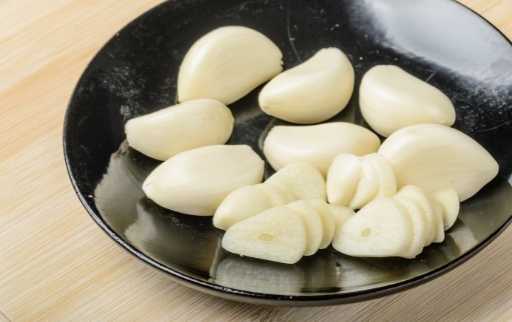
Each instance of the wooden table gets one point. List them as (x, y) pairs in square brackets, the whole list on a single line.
[(56, 264)]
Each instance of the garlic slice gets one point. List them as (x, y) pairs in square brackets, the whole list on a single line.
[(380, 229), (277, 235)]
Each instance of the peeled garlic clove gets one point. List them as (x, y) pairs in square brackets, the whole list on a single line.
[(381, 229), (435, 157), (241, 204), (418, 198), (228, 63), (340, 215), (317, 144), (179, 128), (311, 92), (390, 99), (277, 235), (342, 178), (420, 231), (385, 175), (301, 180), (449, 201), (312, 224), (196, 181), (328, 223), (368, 186)]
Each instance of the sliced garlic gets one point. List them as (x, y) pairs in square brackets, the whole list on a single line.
[(367, 188), (449, 201), (295, 182), (277, 235), (421, 233), (228, 63), (390, 99), (179, 128), (439, 221), (313, 225), (417, 197), (328, 223), (301, 180), (342, 178), (196, 181), (380, 229), (311, 92), (436, 157), (317, 144), (385, 175), (340, 214)]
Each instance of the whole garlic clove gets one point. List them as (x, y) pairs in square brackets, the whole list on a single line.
[(317, 145), (178, 128), (311, 92), (390, 99), (196, 181), (435, 157), (228, 63), (277, 235)]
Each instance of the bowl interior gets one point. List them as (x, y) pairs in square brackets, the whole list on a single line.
[(135, 73)]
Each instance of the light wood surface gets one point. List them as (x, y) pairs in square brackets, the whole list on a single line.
[(57, 265)]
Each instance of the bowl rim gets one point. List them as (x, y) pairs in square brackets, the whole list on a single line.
[(245, 295)]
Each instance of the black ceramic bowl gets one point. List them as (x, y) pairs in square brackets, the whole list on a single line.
[(135, 73)]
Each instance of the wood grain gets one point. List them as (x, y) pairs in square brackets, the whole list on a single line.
[(56, 265)]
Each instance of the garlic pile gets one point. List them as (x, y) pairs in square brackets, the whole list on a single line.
[(406, 191)]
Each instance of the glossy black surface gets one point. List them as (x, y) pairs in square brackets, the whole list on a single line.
[(135, 73)]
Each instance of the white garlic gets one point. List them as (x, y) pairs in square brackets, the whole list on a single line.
[(313, 224), (196, 181), (390, 99), (277, 235), (311, 92), (449, 201), (355, 181), (435, 157), (381, 229), (317, 145), (294, 182), (179, 128), (301, 180), (228, 63)]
